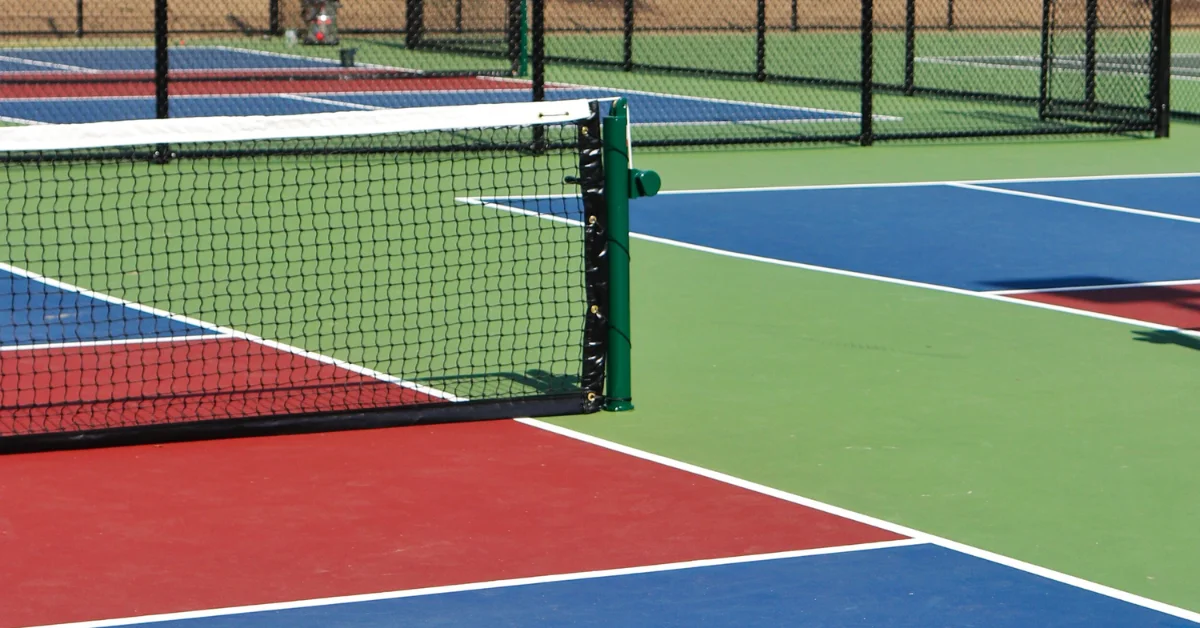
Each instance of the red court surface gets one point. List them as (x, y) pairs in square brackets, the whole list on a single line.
[(193, 380), (50, 85), (131, 531), (1176, 306)]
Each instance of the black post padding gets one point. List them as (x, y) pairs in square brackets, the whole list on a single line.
[(414, 23), (512, 33), (760, 51), (79, 18), (627, 52), (1091, 25), (1047, 51), (1160, 89), (866, 135), (910, 46), (161, 60), (273, 17)]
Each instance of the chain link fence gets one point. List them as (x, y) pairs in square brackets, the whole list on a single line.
[(741, 71)]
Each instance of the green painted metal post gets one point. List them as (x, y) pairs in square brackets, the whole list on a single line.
[(615, 133)]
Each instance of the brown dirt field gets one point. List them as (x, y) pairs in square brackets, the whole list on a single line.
[(578, 14)]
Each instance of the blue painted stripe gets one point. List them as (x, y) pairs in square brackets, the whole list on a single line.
[(1170, 195), (181, 58), (32, 312), (70, 111), (932, 234), (922, 586)]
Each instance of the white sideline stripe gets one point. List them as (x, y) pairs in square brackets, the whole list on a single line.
[(1072, 201), (494, 584), (914, 534), (48, 64), (326, 101), (225, 331), (1105, 286), (20, 120), (908, 184), (341, 123), (849, 114), (109, 343), (850, 273), (1109, 67)]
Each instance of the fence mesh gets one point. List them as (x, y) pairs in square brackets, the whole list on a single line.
[(695, 72)]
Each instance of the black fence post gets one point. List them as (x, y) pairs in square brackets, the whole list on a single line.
[(1091, 25), (949, 15), (273, 18), (79, 18), (910, 46), (458, 19), (1160, 59), (414, 23), (537, 59), (161, 60), (1047, 51), (512, 32), (760, 51), (866, 133), (795, 15), (627, 51)]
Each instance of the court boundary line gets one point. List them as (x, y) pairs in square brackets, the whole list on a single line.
[(491, 584), (851, 273), (848, 114), (912, 533), (324, 101), (64, 67), (1106, 286), (49, 346), (934, 183), (1073, 201), (230, 332)]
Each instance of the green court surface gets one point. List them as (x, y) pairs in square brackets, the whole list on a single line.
[(1053, 438)]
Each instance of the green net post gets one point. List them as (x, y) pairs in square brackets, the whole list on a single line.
[(622, 182), (523, 55)]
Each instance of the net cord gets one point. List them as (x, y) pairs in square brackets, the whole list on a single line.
[(313, 125)]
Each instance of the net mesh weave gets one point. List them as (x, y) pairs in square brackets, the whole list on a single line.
[(268, 277)]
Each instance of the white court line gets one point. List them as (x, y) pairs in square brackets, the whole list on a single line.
[(109, 343), (1072, 201), (494, 584), (726, 101), (326, 101), (47, 64), (226, 331), (850, 273), (1035, 64), (1106, 286), (911, 184), (20, 120), (916, 535)]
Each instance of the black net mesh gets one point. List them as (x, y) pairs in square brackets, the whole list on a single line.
[(275, 278)]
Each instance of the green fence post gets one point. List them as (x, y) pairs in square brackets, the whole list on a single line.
[(622, 182)]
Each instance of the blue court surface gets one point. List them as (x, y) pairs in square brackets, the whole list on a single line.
[(986, 236), (96, 106), (921, 585)]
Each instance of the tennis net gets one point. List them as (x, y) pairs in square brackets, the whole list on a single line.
[(181, 278)]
